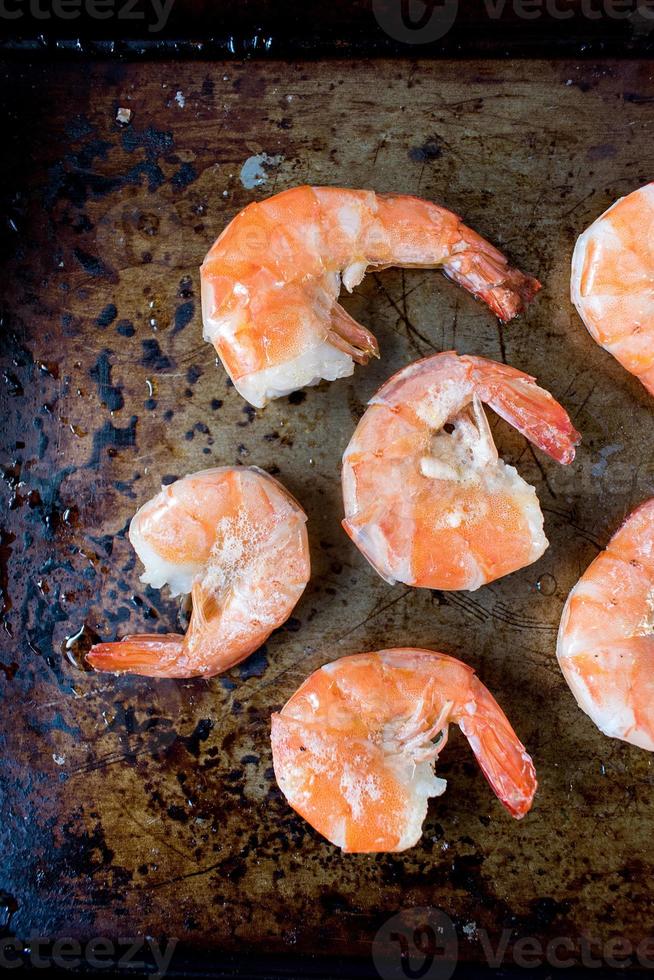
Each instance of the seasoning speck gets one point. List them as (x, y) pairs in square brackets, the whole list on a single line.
[(253, 173)]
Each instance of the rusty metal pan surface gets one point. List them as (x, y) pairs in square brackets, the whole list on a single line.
[(149, 807)]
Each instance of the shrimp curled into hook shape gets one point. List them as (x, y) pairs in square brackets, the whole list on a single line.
[(271, 281), (606, 637), (354, 749), (612, 282), (236, 540), (427, 499)]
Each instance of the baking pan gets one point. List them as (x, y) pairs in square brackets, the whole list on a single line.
[(161, 29), (140, 808)]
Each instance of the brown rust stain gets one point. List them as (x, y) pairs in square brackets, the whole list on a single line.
[(151, 805)]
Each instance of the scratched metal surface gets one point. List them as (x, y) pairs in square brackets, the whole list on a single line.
[(129, 804)]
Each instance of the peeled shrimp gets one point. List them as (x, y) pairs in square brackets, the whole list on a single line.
[(270, 283), (354, 749), (612, 282), (606, 638), (234, 539), (427, 499)]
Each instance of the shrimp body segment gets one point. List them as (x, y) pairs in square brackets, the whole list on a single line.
[(234, 539), (612, 282), (271, 281), (606, 638), (355, 747), (427, 499)]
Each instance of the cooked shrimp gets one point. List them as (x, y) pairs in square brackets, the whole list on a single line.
[(234, 539), (354, 748), (612, 282), (606, 638), (427, 499), (270, 283)]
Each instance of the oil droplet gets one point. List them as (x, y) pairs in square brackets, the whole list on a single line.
[(158, 315), (546, 584), (76, 647), (50, 368), (90, 556), (8, 905), (70, 516)]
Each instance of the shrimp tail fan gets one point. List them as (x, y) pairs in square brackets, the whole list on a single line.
[(152, 654), (530, 409), (501, 755)]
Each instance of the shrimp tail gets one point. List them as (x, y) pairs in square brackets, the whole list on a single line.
[(485, 273), (152, 654), (526, 406), (502, 757), (349, 336)]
